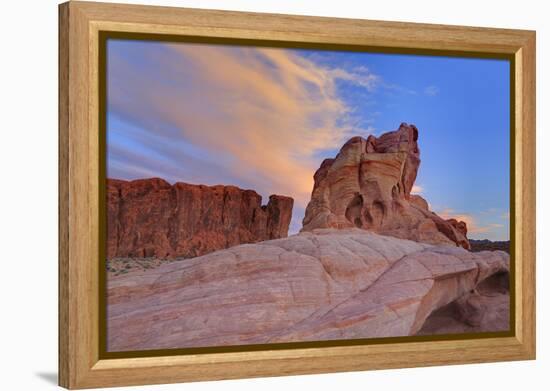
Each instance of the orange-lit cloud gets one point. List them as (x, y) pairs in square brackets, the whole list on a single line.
[(471, 222), (268, 113)]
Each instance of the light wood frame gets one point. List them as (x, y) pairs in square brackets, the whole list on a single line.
[(79, 25)]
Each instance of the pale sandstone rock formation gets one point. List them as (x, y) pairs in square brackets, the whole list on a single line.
[(485, 309), (151, 218), (321, 285), (368, 185)]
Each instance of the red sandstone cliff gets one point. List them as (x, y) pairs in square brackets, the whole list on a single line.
[(368, 185), (151, 218)]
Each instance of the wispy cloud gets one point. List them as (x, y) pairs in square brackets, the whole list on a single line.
[(431, 90), (470, 221), (360, 76), (490, 211), (260, 117), (475, 227), (396, 88), (417, 189)]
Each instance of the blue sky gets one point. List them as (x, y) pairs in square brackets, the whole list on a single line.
[(265, 118)]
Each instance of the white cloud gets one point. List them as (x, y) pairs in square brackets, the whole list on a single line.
[(417, 189), (431, 90), (360, 76)]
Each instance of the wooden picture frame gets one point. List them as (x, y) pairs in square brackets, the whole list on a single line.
[(80, 26)]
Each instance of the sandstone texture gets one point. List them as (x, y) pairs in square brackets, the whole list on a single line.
[(324, 284), (483, 310), (151, 218), (368, 185)]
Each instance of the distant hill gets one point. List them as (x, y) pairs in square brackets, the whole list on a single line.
[(488, 245)]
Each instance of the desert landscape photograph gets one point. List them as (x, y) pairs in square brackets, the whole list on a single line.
[(263, 195)]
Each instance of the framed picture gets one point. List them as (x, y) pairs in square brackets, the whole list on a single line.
[(248, 195)]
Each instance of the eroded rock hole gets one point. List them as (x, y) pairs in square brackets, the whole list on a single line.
[(486, 308), (377, 212), (395, 191), (353, 211)]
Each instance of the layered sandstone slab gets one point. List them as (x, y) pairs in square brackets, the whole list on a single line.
[(151, 218), (321, 285), (487, 309), (368, 185)]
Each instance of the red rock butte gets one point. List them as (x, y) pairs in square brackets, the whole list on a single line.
[(368, 185), (152, 218)]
